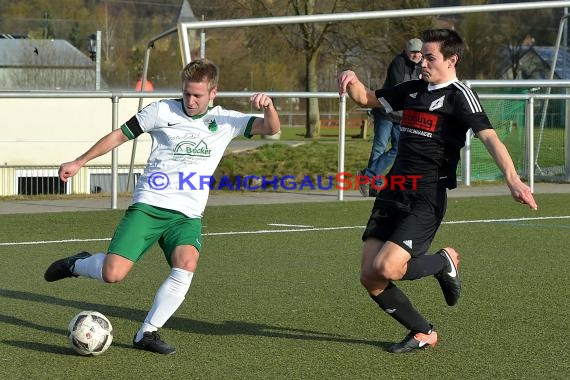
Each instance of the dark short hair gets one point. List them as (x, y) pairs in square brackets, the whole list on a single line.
[(199, 70), (450, 41)]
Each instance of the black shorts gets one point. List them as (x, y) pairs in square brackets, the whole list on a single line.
[(407, 218)]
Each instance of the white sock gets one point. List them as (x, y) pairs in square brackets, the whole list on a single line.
[(91, 267), (167, 300)]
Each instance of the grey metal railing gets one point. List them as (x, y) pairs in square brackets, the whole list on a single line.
[(115, 98)]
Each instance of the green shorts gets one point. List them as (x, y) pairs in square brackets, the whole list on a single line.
[(143, 225)]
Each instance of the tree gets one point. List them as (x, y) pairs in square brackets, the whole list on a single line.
[(481, 48), (328, 46), (75, 36), (47, 27), (369, 46), (497, 41), (282, 58), (519, 30), (308, 39)]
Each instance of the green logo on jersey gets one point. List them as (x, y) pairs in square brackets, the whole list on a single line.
[(190, 148), (213, 126)]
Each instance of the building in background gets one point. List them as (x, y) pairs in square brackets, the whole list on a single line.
[(31, 64)]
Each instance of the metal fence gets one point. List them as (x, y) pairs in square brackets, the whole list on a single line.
[(539, 138)]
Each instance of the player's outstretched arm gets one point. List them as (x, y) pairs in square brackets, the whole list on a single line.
[(519, 190), (348, 83), (270, 123), (106, 144)]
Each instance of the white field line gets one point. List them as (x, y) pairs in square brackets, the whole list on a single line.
[(304, 229), (507, 220), (289, 225)]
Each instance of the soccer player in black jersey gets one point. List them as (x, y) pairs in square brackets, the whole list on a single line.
[(438, 110)]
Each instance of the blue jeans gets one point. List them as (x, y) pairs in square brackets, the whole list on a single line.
[(381, 158)]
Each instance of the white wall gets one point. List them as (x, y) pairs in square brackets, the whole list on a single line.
[(45, 132)]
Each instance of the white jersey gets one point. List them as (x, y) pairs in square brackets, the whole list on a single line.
[(185, 153)]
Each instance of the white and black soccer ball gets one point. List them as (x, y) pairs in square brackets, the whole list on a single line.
[(90, 333)]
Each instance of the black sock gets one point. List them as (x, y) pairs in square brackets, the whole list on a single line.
[(423, 266), (394, 302)]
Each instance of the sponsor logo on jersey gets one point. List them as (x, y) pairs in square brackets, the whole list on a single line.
[(186, 137), (438, 103), (419, 120), (190, 148), (212, 125)]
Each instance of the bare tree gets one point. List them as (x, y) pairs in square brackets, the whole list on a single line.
[(333, 46), (309, 39), (496, 42)]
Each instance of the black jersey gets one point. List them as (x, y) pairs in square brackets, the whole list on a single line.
[(433, 128)]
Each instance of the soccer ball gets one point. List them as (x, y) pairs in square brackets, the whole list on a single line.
[(90, 333)]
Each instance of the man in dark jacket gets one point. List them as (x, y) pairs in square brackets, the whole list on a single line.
[(405, 66)]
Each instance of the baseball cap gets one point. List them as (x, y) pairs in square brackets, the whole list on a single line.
[(415, 44)]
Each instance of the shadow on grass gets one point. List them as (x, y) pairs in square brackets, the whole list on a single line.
[(52, 348), (175, 323), (35, 346)]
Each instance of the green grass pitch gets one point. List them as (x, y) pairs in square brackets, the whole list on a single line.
[(277, 296)]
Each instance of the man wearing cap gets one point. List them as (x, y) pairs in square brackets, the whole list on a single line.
[(405, 66)]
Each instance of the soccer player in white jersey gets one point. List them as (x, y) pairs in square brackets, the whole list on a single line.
[(438, 110), (188, 140)]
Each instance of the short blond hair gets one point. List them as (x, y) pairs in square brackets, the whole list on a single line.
[(199, 70)]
